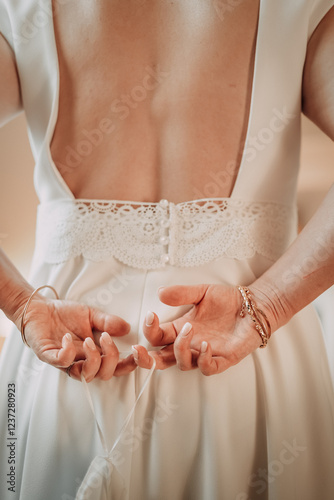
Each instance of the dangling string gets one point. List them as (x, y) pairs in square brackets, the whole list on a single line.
[(90, 401), (128, 418)]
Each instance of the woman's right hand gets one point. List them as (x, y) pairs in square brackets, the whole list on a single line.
[(61, 332)]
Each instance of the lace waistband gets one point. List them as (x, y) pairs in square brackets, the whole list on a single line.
[(153, 235)]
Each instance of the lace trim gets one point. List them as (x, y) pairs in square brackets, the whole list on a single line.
[(151, 235)]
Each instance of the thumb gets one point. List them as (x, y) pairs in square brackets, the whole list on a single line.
[(63, 357), (110, 323), (179, 295)]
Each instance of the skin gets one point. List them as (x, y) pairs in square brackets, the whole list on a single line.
[(158, 151), (159, 132)]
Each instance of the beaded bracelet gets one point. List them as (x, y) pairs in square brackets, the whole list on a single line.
[(260, 320), (23, 336)]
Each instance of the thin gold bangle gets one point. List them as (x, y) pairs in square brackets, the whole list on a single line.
[(23, 336)]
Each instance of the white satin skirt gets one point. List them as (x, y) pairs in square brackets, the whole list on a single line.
[(264, 429)]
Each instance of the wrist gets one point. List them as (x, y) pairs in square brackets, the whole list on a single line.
[(272, 303), (257, 315), (23, 311), (13, 298)]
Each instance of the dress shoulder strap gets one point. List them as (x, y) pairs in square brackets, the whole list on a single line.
[(270, 165), (28, 24)]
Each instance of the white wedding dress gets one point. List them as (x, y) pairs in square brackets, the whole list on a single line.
[(264, 429)]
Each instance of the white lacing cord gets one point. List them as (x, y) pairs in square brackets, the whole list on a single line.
[(91, 404), (128, 418)]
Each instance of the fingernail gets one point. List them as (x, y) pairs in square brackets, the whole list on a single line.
[(161, 288), (204, 347), (186, 329), (149, 318), (67, 338), (135, 352), (106, 337), (90, 344)]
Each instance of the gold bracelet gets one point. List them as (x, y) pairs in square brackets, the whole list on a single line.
[(23, 336), (260, 320)]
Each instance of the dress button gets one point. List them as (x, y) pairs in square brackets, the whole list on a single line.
[(165, 258), (165, 223), (164, 240), (164, 203)]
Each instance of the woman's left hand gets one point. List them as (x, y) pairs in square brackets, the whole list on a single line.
[(211, 335)]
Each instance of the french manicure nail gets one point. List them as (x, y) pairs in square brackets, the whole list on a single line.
[(106, 337), (90, 344), (135, 352), (186, 329), (204, 347), (66, 338), (149, 318)]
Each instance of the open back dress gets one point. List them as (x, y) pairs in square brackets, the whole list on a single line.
[(264, 429)]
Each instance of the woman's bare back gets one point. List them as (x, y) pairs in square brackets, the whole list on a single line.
[(154, 96)]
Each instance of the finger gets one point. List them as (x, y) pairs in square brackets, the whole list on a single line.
[(179, 295), (92, 363), (141, 356), (158, 335), (182, 351), (74, 370), (104, 322), (164, 358), (209, 365), (125, 366), (63, 357), (109, 357)]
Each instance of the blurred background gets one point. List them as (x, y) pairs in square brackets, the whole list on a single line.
[(18, 203)]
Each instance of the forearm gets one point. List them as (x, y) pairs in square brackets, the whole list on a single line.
[(303, 272), (14, 289)]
